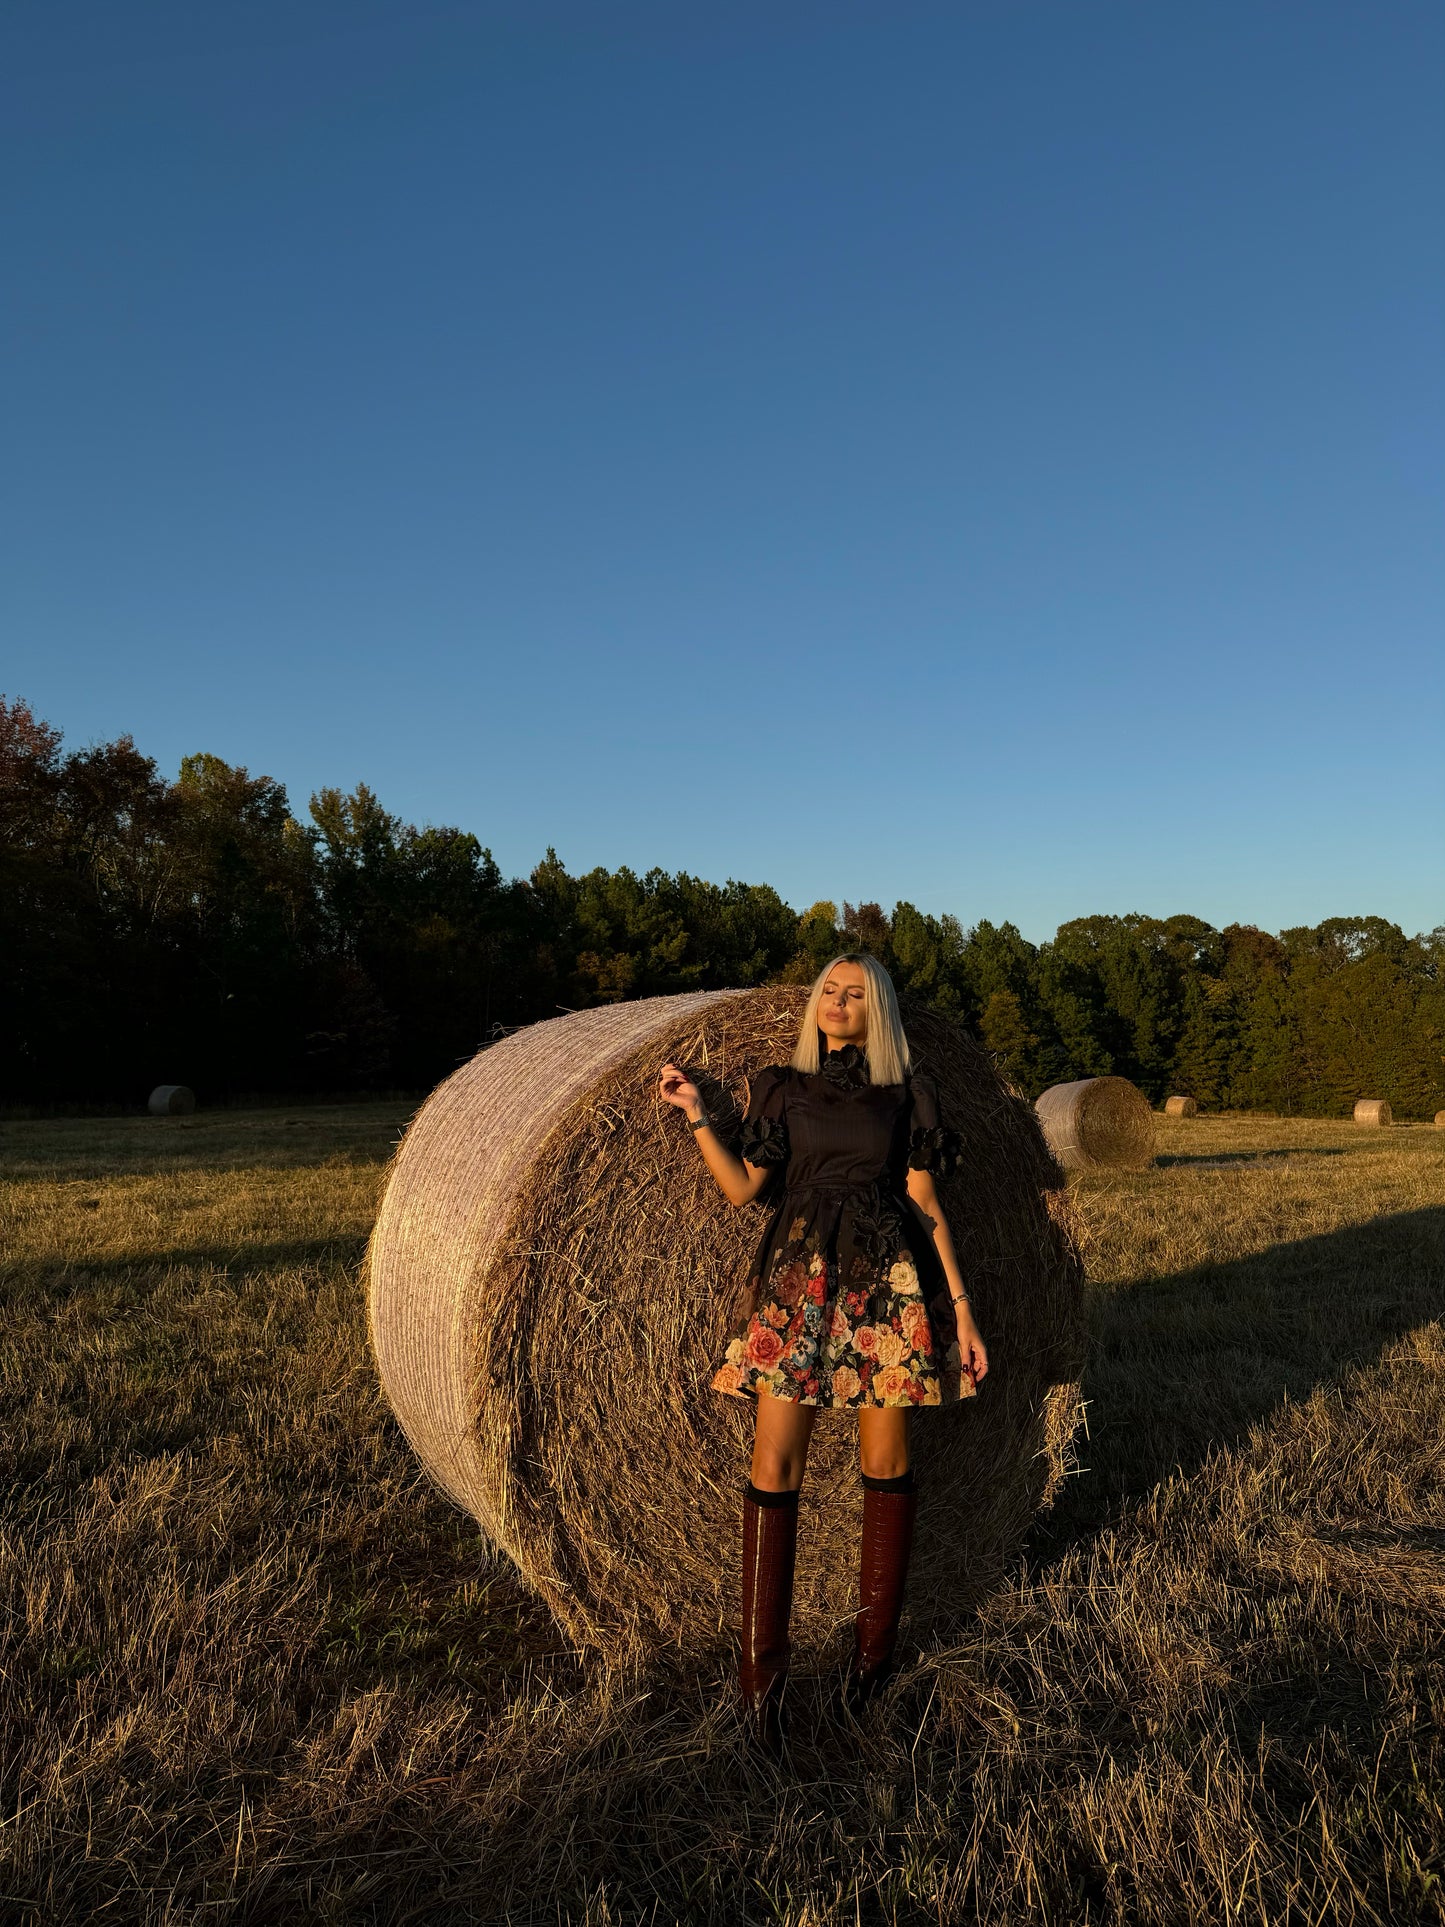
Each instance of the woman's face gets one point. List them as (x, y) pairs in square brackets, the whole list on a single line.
[(843, 1007)]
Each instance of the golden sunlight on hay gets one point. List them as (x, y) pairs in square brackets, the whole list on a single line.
[(1098, 1121), (551, 1278)]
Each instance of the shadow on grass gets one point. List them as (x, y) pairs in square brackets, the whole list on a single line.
[(33, 1279), (1252, 1157), (652, 1800), (170, 1150), (1181, 1365)]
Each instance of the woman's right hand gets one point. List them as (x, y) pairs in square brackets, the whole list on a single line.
[(738, 1182), (674, 1087)]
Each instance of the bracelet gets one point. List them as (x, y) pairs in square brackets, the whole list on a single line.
[(958, 1298), (704, 1119)]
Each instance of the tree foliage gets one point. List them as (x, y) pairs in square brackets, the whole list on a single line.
[(198, 931)]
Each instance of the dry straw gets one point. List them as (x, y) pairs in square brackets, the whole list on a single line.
[(171, 1100), (551, 1278), (1373, 1111), (1098, 1121), (1181, 1107)]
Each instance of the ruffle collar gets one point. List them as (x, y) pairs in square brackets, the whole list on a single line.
[(847, 1068)]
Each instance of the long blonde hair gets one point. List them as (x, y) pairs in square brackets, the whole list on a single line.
[(885, 1044)]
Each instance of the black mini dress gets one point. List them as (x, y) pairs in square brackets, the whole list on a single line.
[(846, 1302)]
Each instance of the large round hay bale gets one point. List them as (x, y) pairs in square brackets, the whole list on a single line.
[(171, 1100), (1098, 1121), (1181, 1107), (1373, 1112), (553, 1273), (1440, 1120)]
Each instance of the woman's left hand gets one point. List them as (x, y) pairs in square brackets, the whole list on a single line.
[(972, 1352)]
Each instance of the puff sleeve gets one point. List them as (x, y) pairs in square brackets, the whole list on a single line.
[(764, 1138), (932, 1147)]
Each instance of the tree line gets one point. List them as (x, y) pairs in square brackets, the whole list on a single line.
[(197, 931)]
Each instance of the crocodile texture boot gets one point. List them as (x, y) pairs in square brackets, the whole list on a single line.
[(770, 1539), (889, 1506)]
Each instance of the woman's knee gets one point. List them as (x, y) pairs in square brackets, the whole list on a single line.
[(779, 1460), (883, 1445), (778, 1471), (780, 1448)]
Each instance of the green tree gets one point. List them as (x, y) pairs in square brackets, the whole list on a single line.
[(817, 941), (237, 926), (1113, 988), (925, 956), (1005, 1033), (48, 935), (196, 930), (1204, 1059), (612, 934)]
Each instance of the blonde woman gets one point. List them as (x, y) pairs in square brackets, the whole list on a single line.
[(855, 1300)]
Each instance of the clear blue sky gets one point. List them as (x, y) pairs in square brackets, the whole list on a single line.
[(985, 454)]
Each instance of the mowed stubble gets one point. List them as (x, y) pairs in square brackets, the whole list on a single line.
[(254, 1668)]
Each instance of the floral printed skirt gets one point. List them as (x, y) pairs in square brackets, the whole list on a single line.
[(842, 1330)]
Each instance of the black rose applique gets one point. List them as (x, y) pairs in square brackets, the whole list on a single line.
[(764, 1140), (847, 1068), (877, 1226), (936, 1150)]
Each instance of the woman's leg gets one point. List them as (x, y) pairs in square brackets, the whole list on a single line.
[(883, 1441), (889, 1504), (780, 1444), (770, 1540)]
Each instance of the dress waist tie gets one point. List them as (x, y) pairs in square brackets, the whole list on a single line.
[(879, 1214)]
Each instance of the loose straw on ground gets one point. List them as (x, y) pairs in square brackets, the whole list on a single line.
[(553, 1273)]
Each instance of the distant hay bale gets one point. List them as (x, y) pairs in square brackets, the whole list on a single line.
[(1373, 1111), (552, 1276), (172, 1100), (1440, 1120), (1098, 1121), (1181, 1107)]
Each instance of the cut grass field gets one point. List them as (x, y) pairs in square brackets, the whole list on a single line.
[(254, 1669)]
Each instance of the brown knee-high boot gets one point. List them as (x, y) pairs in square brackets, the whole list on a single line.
[(770, 1540), (889, 1506)]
